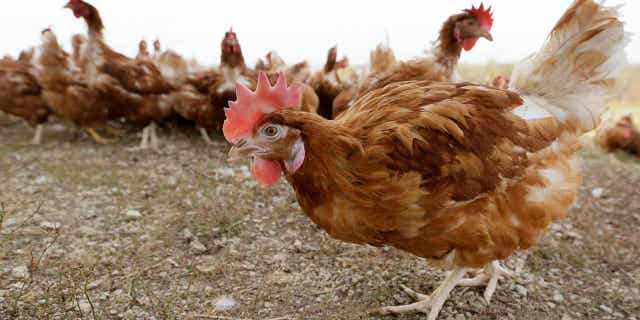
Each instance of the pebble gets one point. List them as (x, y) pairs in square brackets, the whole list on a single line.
[(133, 214), (172, 181), (521, 290), (225, 172), (41, 180), (597, 193), (187, 234), (225, 303), (605, 308), (197, 246), (20, 272), (557, 297), (49, 225)]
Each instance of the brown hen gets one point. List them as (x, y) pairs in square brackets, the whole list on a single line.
[(135, 88), (459, 32), (457, 173), (21, 95)]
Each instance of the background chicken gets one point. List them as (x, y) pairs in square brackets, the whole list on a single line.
[(619, 134), (135, 89), (458, 173), (459, 32), (68, 97), (21, 95), (232, 70), (335, 77), (381, 60)]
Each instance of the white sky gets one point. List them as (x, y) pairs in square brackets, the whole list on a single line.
[(296, 29)]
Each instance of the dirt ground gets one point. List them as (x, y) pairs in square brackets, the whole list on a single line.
[(99, 232)]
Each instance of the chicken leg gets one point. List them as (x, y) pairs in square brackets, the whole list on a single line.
[(205, 136), (96, 137), (489, 276), (431, 304), (149, 139), (37, 137)]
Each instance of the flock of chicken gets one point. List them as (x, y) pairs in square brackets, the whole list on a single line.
[(94, 84), (458, 173)]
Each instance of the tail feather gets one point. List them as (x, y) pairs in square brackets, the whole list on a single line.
[(571, 77)]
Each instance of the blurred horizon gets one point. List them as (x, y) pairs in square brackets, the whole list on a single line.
[(194, 28)]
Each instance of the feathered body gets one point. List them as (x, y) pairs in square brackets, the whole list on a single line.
[(69, 97), (21, 94), (135, 88), (459, 173)]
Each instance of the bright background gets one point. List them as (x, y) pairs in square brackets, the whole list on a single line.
[(297, 29)]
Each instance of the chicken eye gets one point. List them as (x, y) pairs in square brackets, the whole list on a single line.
[(270, 131)]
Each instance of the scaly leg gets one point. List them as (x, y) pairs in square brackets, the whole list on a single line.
[(155, 144), (96, 137), (144, 143), (37, 137), (205, 136), (489, 276), (429, 304)]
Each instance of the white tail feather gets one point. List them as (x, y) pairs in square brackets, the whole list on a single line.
[(570, 77)]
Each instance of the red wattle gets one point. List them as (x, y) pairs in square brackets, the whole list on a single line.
[(468, 44), (265, 171)]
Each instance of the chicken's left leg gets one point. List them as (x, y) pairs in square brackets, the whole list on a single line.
[(429, 304), (37, 137), (489, 276)]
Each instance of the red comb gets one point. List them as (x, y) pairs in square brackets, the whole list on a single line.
[(484, 16), (245, 113)]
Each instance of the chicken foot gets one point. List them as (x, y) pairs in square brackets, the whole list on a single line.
[(489, 276), (97, 137), (431, 304)]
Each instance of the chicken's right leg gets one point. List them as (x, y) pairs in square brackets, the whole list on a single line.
[(37, 137)]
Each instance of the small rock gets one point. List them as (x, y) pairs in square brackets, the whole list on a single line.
[(557, 297), (597, 193), (197, 246), (133, 214), (85, 306), (225, 172), (172, 181), (187, 234), (605, 308), (521, 290), (566, 317), (41, 180), (20, 272), (49, 225), (224, 303)]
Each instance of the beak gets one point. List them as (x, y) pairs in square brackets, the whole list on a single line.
[(486, 34), (67, 6), (242, 150)]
